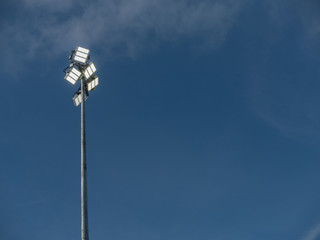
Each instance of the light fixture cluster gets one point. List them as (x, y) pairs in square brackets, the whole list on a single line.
[(79, 69)]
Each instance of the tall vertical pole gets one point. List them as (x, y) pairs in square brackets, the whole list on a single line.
[(84, 194)]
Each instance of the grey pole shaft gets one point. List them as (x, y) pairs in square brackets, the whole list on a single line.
[(84, 194)]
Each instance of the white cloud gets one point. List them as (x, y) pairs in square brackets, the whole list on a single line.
[(130, 25), (313, 233)]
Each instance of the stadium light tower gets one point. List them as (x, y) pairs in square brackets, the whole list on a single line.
[(80, 69)]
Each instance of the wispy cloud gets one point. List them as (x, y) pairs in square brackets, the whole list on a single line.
[(313, 233), (129, 25), (281, 14), (309, 12)]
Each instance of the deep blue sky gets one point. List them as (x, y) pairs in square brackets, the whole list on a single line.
[(205, 125)]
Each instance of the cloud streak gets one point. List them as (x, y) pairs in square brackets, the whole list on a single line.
[(313, 234), (125, 26)]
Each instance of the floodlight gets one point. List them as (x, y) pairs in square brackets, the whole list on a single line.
[(81, 55), (73, 75), (90, 70), (92, 85), (77, 99)]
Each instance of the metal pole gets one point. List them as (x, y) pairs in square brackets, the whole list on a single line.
[(84, 194)]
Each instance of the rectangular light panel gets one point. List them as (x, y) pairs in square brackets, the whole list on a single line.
[(90, 70), (70, 79), (91, 85), (73, 76), (93, 67), (81, 54), (76, 72), (77, 100), (86, 74), (80, 59), (84, 50)]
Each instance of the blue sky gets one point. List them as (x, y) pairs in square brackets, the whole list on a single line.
[(205, 125)]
